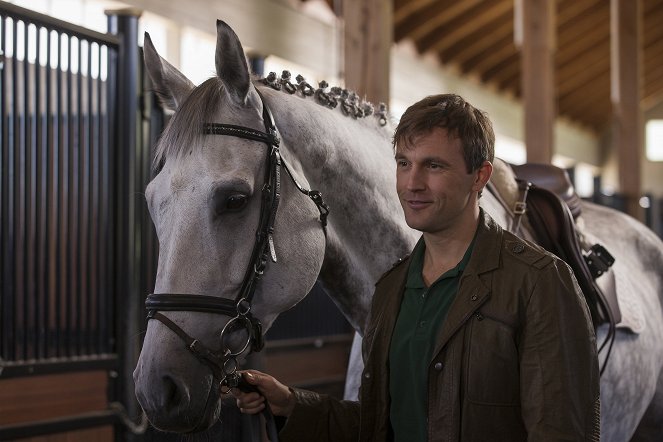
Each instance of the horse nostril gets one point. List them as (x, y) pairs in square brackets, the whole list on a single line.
[(173, 394)]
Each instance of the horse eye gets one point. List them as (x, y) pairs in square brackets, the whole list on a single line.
[(236, 202)]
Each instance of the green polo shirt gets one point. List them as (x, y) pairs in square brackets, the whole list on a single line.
[(423, 310)]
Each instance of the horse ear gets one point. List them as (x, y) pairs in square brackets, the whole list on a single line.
[(170, 85), (231, 66)]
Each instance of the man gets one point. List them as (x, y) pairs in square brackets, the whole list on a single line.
[(477, 336)]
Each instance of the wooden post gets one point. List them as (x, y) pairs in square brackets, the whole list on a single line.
[(627, 121), (535, 34), (368, 33)]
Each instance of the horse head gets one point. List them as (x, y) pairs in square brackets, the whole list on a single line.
[(237, 245)]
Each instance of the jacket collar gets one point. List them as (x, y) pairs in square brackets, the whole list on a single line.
[(474, 289), (487, 247)]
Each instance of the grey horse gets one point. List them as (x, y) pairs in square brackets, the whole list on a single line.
[(205, 204)]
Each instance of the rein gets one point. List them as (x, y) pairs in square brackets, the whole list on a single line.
[(223, 363)]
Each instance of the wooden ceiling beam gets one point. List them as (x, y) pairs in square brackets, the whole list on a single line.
[(583, 76), (599, 16), (405, 8), (477, 43), (653, 79), (650, 5), (601, 88), (571, 9), (490, 55), (653, 99), (430, 17), (592, 108), (593, 112), (569, 53), (463, 36), (652, 21), (652, 55), (507, 68), (509, 79), (473, 20), (589, 56), (653, 28)]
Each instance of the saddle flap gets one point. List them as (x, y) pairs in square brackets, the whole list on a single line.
[(552, 178), (554, 228)]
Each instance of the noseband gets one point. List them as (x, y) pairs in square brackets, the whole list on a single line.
[(224, 362)]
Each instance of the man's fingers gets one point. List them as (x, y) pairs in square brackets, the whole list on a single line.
[(250, 403), (252, 377), (281, 400), (252, 410)]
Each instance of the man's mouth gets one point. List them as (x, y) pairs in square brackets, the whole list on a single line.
[(417, 204)]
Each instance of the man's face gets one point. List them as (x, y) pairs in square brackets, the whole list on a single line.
[(435, 189)]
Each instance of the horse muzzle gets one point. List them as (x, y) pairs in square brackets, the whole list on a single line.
[(181, 399)]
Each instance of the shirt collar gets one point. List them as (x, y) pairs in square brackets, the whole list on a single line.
[(415, 279)]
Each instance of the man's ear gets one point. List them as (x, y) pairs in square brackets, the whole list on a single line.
[(482, 175)]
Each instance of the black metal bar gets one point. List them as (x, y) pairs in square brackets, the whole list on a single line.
[(127, 264), (106, 248), (48, 201), (39, 428), (58, 167), (24, 198), (39, 200), (100, 203), (32, 146), (5, 218), (53, 23), (13, 164), (90, 292), (77, 176), (68, 240)]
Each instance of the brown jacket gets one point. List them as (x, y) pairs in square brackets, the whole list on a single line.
[(515, 359)]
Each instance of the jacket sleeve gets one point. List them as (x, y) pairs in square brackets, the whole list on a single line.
[(558, 361), (319, 417)]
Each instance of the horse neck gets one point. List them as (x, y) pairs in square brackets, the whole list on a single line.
[(351, 163)]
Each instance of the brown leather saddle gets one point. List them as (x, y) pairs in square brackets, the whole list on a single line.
[(552, 206)]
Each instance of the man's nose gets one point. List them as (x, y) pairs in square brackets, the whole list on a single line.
[(415, 179)]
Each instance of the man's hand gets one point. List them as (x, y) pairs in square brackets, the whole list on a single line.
[(281, 399)]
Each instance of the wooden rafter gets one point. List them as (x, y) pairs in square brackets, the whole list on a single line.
[(477, 37)]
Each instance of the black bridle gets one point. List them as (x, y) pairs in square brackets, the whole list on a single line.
[(223, 362)]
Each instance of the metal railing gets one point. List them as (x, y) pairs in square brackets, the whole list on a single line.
[(77, 248), (55, 190)]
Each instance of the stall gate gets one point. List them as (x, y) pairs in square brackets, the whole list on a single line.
[(76, 245)]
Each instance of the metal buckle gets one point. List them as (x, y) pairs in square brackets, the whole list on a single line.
[(520, 207), (599, 260)]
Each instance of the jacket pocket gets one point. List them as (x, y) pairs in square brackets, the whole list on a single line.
[(492, 374)]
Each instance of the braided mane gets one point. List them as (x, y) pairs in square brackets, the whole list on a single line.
[(350, 103), (185, 126)]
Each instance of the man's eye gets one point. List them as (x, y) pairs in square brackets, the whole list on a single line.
[(401, 163)]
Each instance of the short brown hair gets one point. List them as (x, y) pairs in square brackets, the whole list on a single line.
[(459, 118)]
